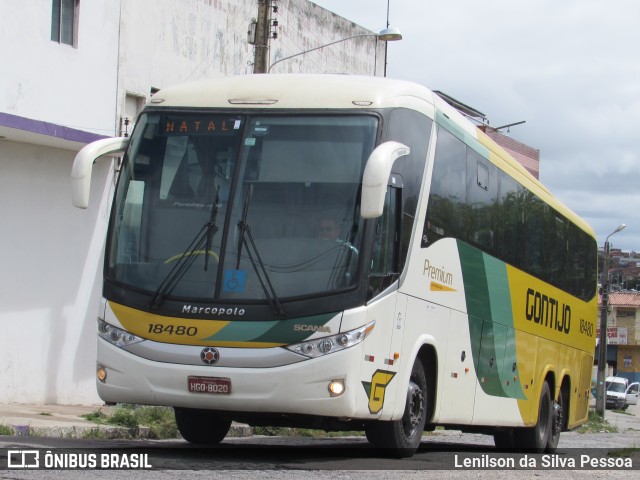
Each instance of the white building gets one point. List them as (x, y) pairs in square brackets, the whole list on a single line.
[(72, 71), (58, 93)]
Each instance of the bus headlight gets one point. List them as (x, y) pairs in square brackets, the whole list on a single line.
[(115, 335), (335, 343)]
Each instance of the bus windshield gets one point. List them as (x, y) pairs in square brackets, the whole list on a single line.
[(261, 208)]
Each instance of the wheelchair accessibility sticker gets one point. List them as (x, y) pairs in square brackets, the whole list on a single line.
[(234, 281)]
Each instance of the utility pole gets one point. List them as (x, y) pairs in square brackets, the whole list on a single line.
[(386, 45), (263, 25), (601, 390)]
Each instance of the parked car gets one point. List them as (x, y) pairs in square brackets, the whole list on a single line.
[(633, 393), (621, 394)]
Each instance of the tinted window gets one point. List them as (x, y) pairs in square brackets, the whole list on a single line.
[(448, 196), (413, 129), (472, 200), (482, 199), (510, 219)]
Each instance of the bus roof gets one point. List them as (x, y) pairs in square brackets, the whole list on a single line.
[(326, 91), (292, 91)]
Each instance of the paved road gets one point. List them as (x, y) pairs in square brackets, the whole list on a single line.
[(350, 457), (282, 458)]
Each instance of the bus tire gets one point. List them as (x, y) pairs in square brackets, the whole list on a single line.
[(558, 416), (401, 438), (201, 426), (536, 439)]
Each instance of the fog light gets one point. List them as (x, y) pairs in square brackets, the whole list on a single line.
[(102, 374), (336, 388)]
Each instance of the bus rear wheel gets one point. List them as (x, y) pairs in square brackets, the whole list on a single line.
[(536, 439), (201, 426), (402, 437), (558, 420)]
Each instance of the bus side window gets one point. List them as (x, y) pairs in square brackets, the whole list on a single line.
[(447, 206), (482, 201)]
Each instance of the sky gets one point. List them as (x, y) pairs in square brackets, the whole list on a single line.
[(569, 68)]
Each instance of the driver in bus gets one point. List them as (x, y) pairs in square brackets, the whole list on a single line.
[(328, 229)]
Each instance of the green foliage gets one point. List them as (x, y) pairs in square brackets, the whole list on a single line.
[(97, 416), (622, 412), (161, 421), (94, 434), (301, 432), (625, 452), (6, 430), (123, 417), (273, 431), (595, 424)]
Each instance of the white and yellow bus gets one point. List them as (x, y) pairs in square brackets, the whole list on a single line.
[(339, 253)]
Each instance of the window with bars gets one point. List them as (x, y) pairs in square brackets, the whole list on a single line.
[(64, 21)]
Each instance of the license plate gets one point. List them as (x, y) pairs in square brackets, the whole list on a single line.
[(213, 385)]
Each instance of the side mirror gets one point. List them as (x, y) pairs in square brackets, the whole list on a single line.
[(376, 177), (83, 165)]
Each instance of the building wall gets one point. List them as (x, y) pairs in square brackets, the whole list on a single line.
[(628, 355), (304, 25), (623, 325), (58, 83), (55, 98), (527, 156), (628, 362), (161, 45), (51, 276)]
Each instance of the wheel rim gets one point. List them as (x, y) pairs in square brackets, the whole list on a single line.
[(414, 409), (556, 423)]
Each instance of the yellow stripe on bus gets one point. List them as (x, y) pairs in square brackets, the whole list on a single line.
[(165, 329)]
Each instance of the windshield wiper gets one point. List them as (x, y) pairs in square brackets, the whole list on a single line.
[(203, 238), (211, 228), (245, 232)]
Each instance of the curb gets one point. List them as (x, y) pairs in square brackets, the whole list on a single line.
[(107, 432)]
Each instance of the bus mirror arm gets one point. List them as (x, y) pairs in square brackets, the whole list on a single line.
[(376, 177), (83, 165)]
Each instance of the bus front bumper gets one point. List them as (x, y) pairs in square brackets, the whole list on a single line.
[(297, 388)]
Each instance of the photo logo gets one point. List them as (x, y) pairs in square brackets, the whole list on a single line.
[(23, 459)]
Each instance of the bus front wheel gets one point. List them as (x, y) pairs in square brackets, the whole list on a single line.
[(402, 437), (201, 426)]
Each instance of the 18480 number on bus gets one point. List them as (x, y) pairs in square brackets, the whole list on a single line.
[(159, 328)]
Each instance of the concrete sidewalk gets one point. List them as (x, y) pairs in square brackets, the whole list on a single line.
[(629, 420), (66, 421)]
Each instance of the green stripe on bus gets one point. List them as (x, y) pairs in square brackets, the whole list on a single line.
[(474, 276), (276, 331), (242, 331), (285, 331), (476, 291), (490, 322), (502, 319)]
